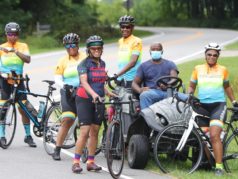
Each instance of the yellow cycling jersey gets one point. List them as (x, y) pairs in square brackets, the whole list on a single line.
[(67, 67), (128, 47), (10, 61)]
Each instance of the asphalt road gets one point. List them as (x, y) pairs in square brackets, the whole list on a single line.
[(20, 161)]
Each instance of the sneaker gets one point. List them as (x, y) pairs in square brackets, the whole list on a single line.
[(3, 142), (56, 154), (93, 167), (76, 168), (219, 171), (29, 141)]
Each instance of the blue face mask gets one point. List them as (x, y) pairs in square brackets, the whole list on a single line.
[(156, 55)]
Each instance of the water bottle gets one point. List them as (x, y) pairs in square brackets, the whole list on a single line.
[(31, 108), (41, 109)]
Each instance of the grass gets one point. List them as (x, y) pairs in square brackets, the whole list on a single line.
[(185, 71)]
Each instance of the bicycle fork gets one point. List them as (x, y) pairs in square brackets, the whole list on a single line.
[(185, 135)]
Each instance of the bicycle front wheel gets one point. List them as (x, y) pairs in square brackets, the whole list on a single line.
[(170, 160), (115, 149), (51, 127), (8, 122), (230, 159)]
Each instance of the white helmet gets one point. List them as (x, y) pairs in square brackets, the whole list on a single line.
[(212, 46)]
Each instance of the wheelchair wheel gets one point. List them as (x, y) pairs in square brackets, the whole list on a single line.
[(168, 159)]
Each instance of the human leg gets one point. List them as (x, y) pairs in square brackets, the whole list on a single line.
[(92, 145), (151, 96)]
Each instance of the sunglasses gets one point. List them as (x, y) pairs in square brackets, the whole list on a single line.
[(96, 48), (12, 34), (125, 27), (67, 46), (214, 55)]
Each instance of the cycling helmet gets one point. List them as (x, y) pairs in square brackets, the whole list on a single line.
[(212, 46), (126, 20), (71, 38), (94, 40), (12, 27)]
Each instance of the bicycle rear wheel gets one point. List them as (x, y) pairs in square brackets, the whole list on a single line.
[(170, 160), (115, 149), (230, 158), (8, 122)]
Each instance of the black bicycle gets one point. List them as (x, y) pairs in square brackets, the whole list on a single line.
[(183, 145), (8, 113)]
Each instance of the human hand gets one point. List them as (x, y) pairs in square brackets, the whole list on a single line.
[(162, 87), (235, 103), (144, 89)]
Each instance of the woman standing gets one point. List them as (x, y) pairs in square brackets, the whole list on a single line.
[(66, 74), (92, 76)]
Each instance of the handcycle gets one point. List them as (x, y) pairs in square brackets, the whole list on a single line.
[(183, 145), (8, 113)]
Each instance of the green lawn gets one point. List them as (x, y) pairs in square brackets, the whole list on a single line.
[(185, 71)]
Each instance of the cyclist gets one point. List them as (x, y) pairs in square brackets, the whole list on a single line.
[(13, 57), (212, 81), (92, 76), (130, 49), (149, 72), (66, 75)]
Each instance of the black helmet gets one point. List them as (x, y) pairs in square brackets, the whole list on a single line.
[(12, 27), (71, 38), (126, 20), (94, 40), (212, 46)]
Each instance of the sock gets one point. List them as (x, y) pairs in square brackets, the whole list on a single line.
[(219, 165), (90, 159), (2, 130), (27, 129), (77, 158)]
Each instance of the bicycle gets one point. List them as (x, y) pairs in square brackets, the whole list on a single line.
[(182, 145), (8, 110), (115, 145), (52, 125)]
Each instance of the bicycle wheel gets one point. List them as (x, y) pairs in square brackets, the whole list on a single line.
[(8, 122), (51, 127), (115, 150), (170, 160), (230, 158)]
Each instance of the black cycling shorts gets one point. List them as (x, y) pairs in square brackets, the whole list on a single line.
[(68, 104), (86, 111), (7, 89), (217, 111)]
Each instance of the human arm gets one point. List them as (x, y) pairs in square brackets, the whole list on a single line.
[(84, 83), (59, 80), (131, 64), (109, 93), (23, 57), (229, 92), (192, 87), (136, 85)]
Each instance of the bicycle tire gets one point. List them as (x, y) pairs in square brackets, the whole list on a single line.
[(51, 125), (169, 160), (230, 158), (115, 149), (9, 122)]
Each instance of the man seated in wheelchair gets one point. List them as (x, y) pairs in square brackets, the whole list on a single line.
[(160, 80)]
